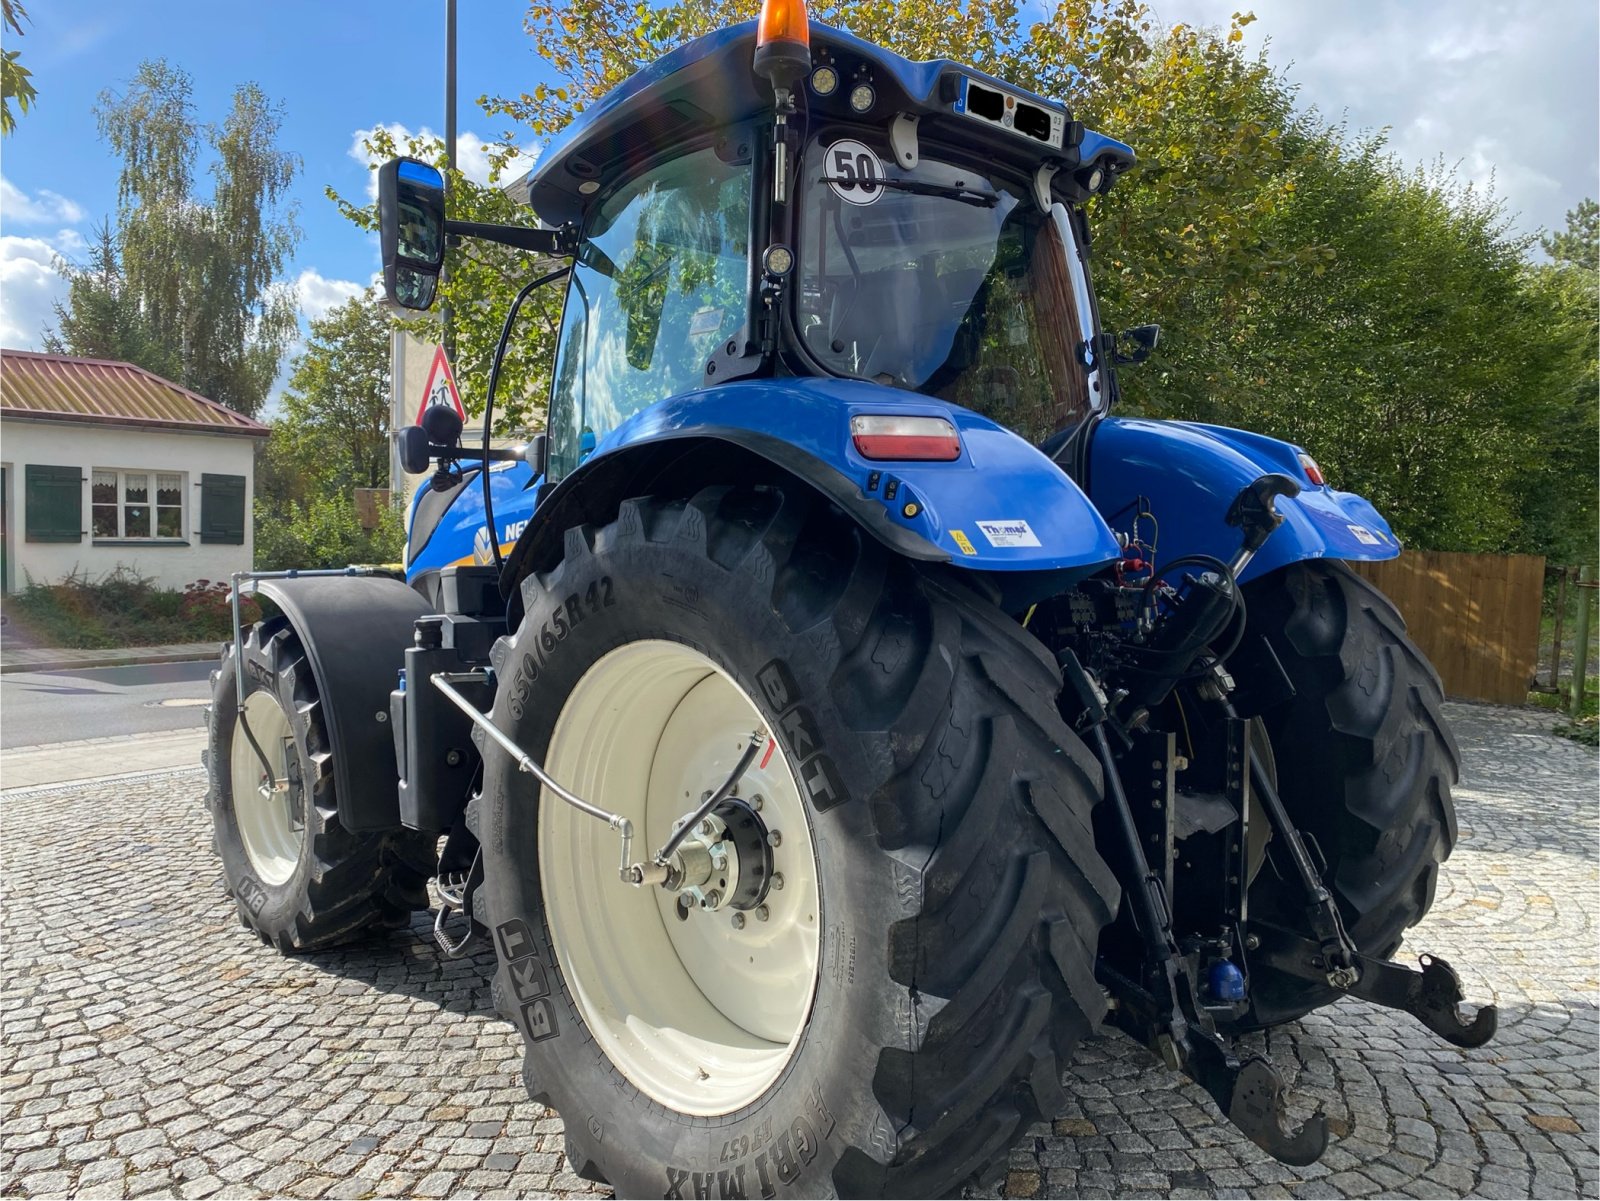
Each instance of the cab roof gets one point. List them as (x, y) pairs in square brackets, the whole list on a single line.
[(709, 83)]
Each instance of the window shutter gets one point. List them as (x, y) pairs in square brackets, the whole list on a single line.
[(222, 508), (54, 503)]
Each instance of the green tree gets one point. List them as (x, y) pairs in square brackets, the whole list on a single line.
[(1579, 244), (16, 81), (330, 437), (1556, 483), (203, 275), (100, 318), (331, 434)]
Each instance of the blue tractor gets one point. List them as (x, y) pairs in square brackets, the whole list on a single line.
[(838, 713)]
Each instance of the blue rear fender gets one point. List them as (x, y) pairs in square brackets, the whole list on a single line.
[(1191, 473), (1001, 507)]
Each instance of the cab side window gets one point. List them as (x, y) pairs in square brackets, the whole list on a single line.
[(661, 281)]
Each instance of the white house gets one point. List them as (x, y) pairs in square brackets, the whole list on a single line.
[(106, 465)]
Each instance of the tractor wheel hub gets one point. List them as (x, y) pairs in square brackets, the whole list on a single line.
[(725, 862)]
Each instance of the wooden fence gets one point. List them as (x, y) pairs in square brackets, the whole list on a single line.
[(1475, 616)]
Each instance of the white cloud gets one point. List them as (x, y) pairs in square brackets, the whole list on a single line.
[(43, 208), (472, 152), (316, 295), (29, 288), (1496, 90)]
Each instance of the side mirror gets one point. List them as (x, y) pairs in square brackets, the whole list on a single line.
[(411, 231), (412, 443), (1143, 339)]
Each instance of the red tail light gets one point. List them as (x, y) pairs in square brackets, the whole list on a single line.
[(1313, 472), (925, 439)]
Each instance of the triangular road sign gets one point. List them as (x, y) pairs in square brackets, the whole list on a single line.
[(441, 387)]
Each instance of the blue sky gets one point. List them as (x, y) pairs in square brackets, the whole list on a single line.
[(337, 68), (1504, 90)]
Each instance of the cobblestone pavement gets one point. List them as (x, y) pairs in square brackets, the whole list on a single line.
[(152, 1047)]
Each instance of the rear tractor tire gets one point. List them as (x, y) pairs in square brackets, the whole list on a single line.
[(896, 1014), (1365, 762), (299, 879)]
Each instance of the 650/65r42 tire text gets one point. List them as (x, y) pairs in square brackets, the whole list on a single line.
[(874, 992), (300, 880)]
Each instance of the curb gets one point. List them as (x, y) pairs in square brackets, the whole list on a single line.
[(108, 659)]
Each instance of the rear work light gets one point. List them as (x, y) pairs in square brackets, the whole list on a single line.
[(1313, 472), (924, 439)]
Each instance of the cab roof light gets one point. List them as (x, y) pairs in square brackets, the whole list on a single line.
[(919, 439)]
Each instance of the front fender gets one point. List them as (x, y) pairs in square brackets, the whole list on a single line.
[(1001, 507), (1191, 473), (355, 630)]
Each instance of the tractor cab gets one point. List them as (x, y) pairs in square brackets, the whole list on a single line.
[(854, 215)]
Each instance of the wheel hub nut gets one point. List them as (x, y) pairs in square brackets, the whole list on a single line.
[(738, 921)]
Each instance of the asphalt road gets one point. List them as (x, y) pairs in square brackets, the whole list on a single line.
[(101, 702)]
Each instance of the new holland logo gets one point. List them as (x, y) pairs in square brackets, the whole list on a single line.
[(482, 552)]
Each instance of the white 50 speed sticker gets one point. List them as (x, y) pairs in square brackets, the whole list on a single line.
[(1008, 533), (853, 171)]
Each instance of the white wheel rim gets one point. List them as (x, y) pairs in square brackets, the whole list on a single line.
[(265, 821), (699, 1015)]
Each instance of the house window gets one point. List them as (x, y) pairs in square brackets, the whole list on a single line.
[(137, 504)]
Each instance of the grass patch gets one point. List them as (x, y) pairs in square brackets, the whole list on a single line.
[(122, 609), (1585, 728)]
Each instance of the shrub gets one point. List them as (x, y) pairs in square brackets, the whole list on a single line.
[(123, 608), (323, 533)]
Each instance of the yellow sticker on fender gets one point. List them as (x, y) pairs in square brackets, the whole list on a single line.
[(960, 538)]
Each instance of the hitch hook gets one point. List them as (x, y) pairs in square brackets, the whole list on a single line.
[(1436, 1003)]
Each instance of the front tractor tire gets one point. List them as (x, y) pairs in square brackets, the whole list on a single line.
[(1365, 762), (895, 1016), (299, 879)]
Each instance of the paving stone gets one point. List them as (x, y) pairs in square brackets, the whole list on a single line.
[(206, 1065)]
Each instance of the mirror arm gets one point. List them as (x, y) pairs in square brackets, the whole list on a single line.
[(541, 241), (508, 454)]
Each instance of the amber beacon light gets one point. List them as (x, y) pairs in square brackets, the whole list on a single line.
[(783, 42)]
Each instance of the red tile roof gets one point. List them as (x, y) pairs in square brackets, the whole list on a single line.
[(58, 387)]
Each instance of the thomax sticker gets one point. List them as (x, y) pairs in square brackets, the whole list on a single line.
[(1009, 532), (1364, 536), (853, 171)]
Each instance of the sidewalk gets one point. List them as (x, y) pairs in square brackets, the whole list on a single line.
[(100, 758), (62, 658)]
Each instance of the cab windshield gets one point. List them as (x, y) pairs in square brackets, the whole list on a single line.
[(946, 280)]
